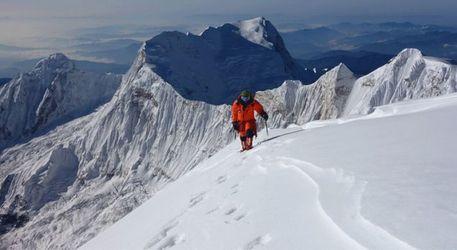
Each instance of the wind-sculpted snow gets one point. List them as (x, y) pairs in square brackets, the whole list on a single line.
[(407, 76), (54, 92), (295, 103), (339, 94), (217, 64), (147, 135), (381, 181), (51, 179)]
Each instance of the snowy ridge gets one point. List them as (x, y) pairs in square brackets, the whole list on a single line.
[(287, 191), (146, 136), (52, 93), (338, 93), (408, 76), (295, 103)]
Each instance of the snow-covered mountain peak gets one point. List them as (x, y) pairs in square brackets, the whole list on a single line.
[(339, 76), (409, 75), (295, 103), (215, 65), (342, 69), (55, 91), (259, 31), (409, 58), (57, 62), (409, 53)]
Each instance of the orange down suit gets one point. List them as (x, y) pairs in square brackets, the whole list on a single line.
[(244, 115)]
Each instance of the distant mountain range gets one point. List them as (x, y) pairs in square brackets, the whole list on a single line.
[(384, 38), (106, 56), (118, 51), (362, 47), (4, 47), (88, 66)]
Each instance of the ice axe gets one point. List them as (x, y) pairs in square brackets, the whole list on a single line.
[(266, 126)]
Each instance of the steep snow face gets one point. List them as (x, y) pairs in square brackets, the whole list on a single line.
[(260, 31), (52, 93), (383, 181), (295, 103), (115, 158), (216, 65), (408, 76)]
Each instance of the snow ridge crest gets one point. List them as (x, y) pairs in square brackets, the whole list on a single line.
[(55, 62)]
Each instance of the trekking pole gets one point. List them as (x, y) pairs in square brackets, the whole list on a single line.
[(266, 126)]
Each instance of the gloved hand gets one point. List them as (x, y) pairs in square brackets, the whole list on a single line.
[(236, 126), (264, 115)]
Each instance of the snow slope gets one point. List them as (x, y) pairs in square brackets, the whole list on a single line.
[(54, 92), (383, 181)]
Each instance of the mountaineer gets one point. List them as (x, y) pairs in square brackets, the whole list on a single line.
[(243, 119)]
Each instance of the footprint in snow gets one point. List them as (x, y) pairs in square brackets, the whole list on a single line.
[(172, 241), (239, 217), (234, 189), (161, 235), (261, 240), (196, 199), (231, 211), (221, 179), (212, 210), (236, 215)]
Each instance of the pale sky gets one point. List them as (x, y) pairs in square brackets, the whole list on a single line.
[(24, 19)]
